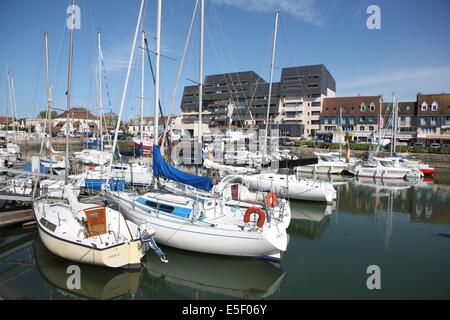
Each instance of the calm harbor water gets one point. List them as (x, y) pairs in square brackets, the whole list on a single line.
[(403, 229)]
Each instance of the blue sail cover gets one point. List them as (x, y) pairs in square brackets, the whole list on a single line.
[(163, 169)]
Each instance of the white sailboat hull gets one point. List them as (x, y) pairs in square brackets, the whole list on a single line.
[(183, 234), (123, 255)]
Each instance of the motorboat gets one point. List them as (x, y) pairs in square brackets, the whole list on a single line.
[(292, 187), (328, 163), (404, 161), (93, 156), (384, 168)]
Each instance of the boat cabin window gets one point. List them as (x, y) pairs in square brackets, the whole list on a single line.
[(386, 163), (327, 158), (160, 206)]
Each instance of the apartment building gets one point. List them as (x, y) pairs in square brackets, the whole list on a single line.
[(240, 99), (433, 118), (360, 116)]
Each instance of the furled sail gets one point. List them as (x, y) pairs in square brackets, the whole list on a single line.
[(163, 169)]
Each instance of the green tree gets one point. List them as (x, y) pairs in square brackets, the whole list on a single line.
[(43, 114)]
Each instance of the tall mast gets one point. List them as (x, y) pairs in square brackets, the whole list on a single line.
[(125, 88), (69, 88), (340, 131), (394, 122), (14, 111), (100, 98), (49, 101), (142, 86), (158, 57), (270, 82), (200, 86), (8, 76)]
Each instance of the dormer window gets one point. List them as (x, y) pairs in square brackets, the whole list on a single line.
[(434, 106), (372, 106), (424, 106), (362, 107)]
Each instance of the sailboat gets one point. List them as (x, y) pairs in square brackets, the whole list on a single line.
[(90, 233), (202, 224)]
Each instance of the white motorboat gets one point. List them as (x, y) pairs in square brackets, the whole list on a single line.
[(385, 169), (88, 233), (404, 161), (92, 156), (6, 155), (49, 188), (328, 163), (134, 173), (292, 187), (13, 148)]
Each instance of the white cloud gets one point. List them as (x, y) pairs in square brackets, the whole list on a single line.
[(406, 82), (300, 9)]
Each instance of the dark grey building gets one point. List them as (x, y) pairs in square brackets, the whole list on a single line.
[(296, 99)]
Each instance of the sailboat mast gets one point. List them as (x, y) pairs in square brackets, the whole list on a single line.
[(200, 86), (100, 98), (49, 102), (69, 88), (340, 132), (8, 76), (270, 82), (158, 58), (142, 86)]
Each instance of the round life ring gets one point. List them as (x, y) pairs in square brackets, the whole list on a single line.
[(271, 199), (261, 216)]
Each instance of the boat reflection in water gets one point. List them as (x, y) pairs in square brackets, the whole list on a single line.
[(388, 184), (310, 220), (95, 282), (197, 275)]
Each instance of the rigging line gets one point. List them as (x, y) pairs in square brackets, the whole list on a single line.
[(180, 69), (266, 57), (222, 33), (223, 59), (283, 28), (232, 98), (229, 91)]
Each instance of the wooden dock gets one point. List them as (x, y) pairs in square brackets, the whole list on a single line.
[(17, 216)]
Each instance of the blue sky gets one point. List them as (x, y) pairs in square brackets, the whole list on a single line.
[(410, 54)]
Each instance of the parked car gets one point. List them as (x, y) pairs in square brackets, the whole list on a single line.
[(435, 146), (287, 142), (420, 145)]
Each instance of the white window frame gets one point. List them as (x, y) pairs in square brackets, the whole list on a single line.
[(424, 106), (372, 106), (362, 107), (434, 106)]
